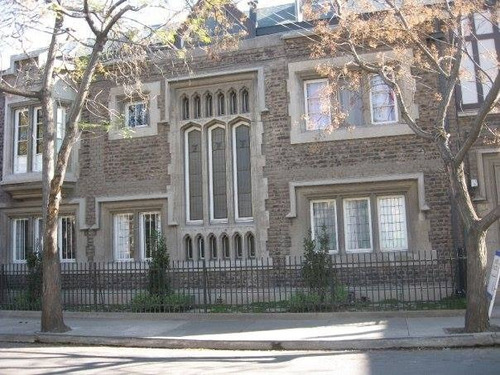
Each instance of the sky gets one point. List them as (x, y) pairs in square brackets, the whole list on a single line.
[(35, 39)]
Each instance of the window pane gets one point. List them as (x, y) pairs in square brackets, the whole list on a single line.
[(124, 236), (488, 62), (197, 107), (201, 248), (208, 106), (243, 172), (21, 141), (21, 239), (225, 247), (351, 104), (38, 245), (245, 102), (60, 127), (185, 108), (357, 225), (151, 226), (213, 247), (317, 105), (325, 218), (221, 105), (137, 115), (189, 248), (392, 223), (195, 180), (66, 238), (382, 101), (238, 246), (233, 103), (38, 138), (468, 87), (218, 177), (251, 245)]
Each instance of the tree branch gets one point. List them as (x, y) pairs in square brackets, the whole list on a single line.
[(89, 20), (5, 88), (489, 103), (489, 219)]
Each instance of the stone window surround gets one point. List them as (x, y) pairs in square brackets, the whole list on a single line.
[(116, 107), (300, 71), (411, 185)]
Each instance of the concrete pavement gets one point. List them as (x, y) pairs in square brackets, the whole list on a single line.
[(320, 331)]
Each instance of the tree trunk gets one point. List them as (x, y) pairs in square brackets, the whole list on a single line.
[(476, 315)]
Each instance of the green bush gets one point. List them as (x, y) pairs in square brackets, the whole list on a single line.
[(35, 277), (24, 301), (145, 302), (159, 283), (314, 302)]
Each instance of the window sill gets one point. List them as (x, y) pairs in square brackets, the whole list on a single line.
[(137, 132), (29, 185), (360, 132)]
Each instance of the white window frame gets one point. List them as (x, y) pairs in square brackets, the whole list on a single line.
[(186, 174), (211, 177), (127, 114), (14, 232), (405, 224), (396, 109), (142, 232), (313, 229), (16, 157), (59, 238), (115, 237), (370, 229), (308, 124), (237, 217)]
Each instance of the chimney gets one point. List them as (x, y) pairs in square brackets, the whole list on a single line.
[(252, 17)]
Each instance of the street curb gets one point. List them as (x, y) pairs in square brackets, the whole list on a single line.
[(465, 340), (20, 338)]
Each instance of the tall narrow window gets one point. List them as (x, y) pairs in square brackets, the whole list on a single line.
[(201, 247), (20, 239), (66, 239), (317, 104), (212, 242), (124, 236), (197, 106), (382, 102), (194, 180), (22, 124), (188, 244), (251, 245), (245, 101), (242, 172), (60, 127), (217, 173), (185, 108), (392, 223), (209, 106), (238, 246), (357, 224), (38, 140), (226, 251), (150, 230), (233, 103), (324, 220), (38, 244), (221, 104)]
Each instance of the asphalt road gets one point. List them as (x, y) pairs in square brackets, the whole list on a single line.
[(39, 359)]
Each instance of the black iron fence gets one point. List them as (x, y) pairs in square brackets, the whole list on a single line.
[(386, 281)]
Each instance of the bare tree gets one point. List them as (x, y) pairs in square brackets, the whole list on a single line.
[(403, 43), (115, 43)]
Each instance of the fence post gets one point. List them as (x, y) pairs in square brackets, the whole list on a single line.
[(93, 276), (205, 285), (3, 284)]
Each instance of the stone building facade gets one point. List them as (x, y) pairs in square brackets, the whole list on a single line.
[(232, 162)]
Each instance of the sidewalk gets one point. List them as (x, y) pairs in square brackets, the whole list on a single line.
[(322, 331)]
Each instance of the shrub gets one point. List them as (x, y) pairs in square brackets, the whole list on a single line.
[(145, 302), (317, 269), (35, 277), (159, 283)]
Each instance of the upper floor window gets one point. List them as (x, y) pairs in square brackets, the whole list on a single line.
[(245, 101), (136, 115), (197, 106), (382, 102), (185, 108), (221, 104), (242, 172), (209, 110), (317, 104), (217, 173), (233, 103), (28, 137), (480, 65), (194, 177)]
